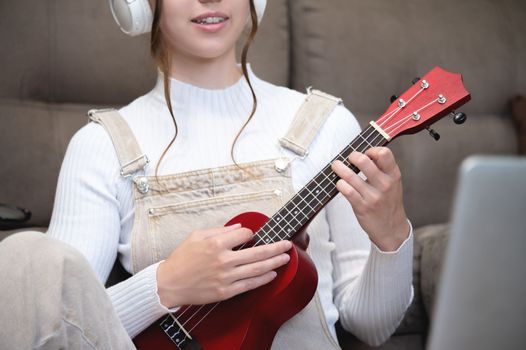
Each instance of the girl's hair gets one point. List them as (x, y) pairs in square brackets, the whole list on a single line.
[(161, 54)]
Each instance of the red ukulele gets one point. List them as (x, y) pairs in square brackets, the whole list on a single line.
[(250, 321)]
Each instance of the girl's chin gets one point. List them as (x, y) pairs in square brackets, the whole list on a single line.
[(210, 52)]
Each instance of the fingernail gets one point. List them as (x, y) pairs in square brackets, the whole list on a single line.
[(234, 226)]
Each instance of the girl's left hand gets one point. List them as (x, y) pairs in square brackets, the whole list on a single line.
[(377, 202)]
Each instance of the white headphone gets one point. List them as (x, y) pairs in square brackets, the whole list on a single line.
[(134, 17)]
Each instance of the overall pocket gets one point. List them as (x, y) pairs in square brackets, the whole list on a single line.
[(169, 225)]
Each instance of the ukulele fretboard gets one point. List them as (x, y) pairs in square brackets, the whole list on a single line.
[(302, 208)]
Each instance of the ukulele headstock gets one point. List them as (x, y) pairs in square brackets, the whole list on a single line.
[(435, 95)]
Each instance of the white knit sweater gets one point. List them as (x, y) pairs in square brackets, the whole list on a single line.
[(368, 289)]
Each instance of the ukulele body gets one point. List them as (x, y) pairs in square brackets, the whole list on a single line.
[(250, 320)]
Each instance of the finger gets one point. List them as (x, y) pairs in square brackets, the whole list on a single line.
[(259, 253), (374, 175), (236, 237), (258, 268), (384, 159), (247, 284), (350, 193), (215, 231), (351, 178)]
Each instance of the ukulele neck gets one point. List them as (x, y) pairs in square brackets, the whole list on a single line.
[(308, 202)]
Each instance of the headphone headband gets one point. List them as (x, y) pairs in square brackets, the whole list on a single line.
[(135, 17)]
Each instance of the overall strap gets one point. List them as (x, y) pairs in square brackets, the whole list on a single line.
[(128, 151), (308, 119)]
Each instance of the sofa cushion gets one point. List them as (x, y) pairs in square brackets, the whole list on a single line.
[(433, 240), (518, 107), (366, 51), (33, 138)]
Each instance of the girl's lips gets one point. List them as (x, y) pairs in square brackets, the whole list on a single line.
[(200, 20), (210, 28)]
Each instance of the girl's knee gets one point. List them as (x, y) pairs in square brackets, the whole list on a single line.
[(40, 250)]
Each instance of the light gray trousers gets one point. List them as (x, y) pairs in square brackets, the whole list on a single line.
[(51, 299)]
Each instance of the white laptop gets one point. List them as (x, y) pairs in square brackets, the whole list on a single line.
[(481, 301)]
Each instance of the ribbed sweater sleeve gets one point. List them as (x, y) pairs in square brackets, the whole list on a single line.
[(86, 216), (136, 300), (372, 289)]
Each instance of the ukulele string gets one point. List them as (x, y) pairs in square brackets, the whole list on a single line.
[(395, 126), (381, 123), (401, 104)]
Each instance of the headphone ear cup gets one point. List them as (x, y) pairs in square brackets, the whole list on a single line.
[(260, 6), (134, 17)]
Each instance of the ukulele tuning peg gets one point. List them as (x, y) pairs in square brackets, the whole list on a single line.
[(459, 117), (393, 98), (435, 135), (415, 80)]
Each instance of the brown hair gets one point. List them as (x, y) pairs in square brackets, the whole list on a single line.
[(161, 54)]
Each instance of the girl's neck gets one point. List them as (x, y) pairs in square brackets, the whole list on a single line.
[(214, 73)]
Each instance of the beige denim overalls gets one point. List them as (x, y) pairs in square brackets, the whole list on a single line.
[(170, 207)]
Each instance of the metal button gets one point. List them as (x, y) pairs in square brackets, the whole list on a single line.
[(281, 164), (142, 185)]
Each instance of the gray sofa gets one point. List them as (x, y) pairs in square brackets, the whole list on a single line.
[(60, 58)]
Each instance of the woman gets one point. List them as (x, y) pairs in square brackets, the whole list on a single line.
[(165, 218)]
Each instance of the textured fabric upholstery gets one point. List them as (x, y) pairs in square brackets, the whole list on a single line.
[(433, 240), (375, 48), (518, 108), (34, 137)]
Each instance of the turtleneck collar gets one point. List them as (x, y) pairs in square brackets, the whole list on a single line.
[(183, 93)]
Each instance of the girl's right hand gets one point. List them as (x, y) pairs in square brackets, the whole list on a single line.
[(204, 268)]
